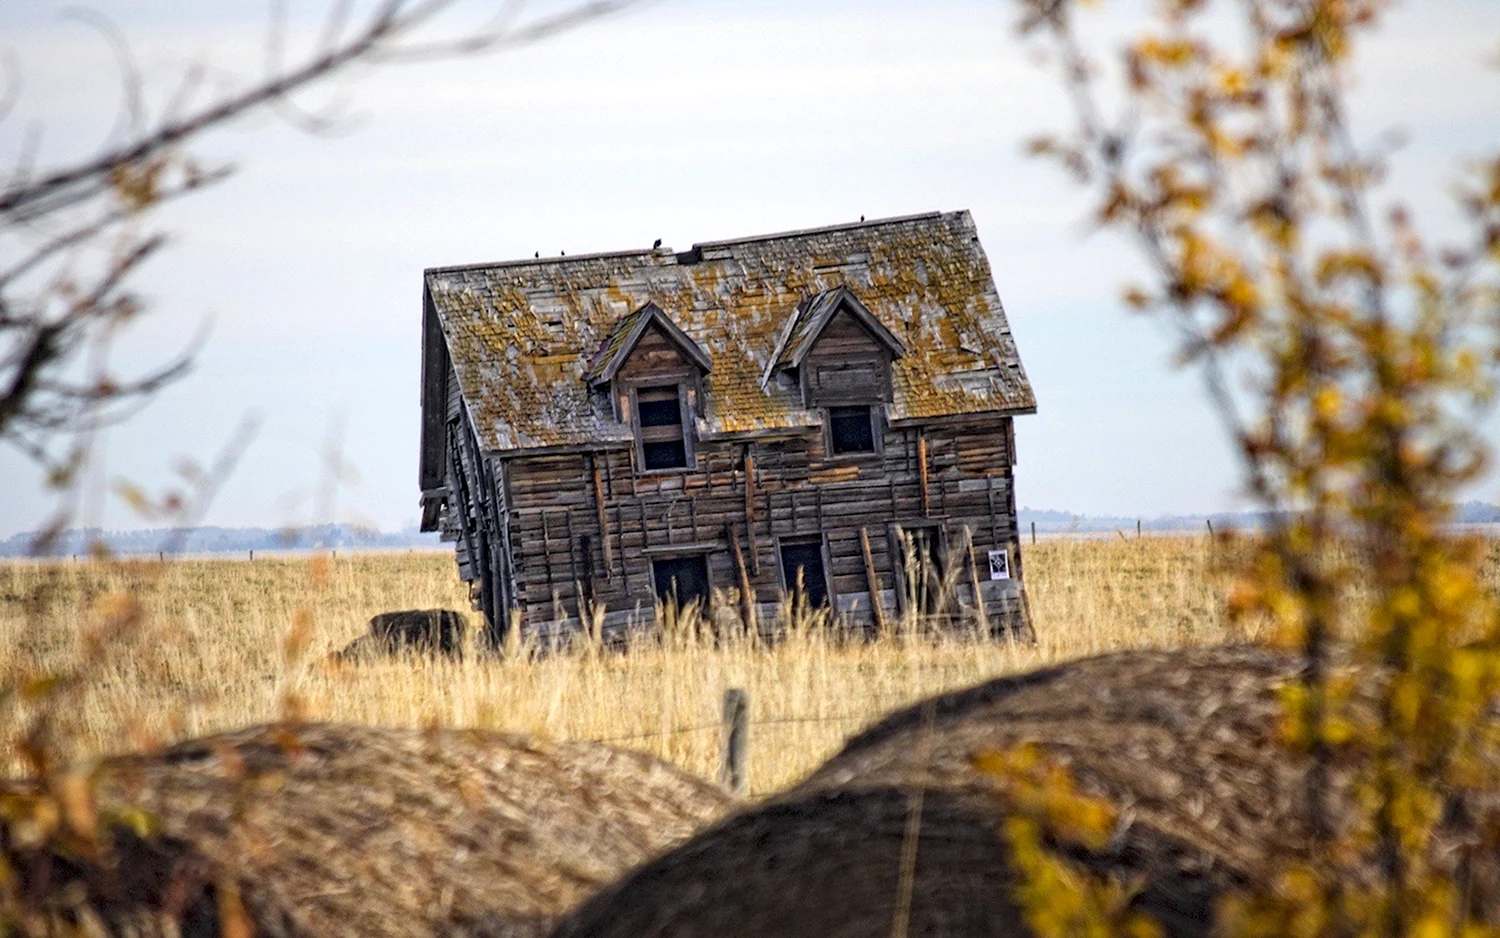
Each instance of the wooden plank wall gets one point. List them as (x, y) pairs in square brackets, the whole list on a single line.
[(554, 520)]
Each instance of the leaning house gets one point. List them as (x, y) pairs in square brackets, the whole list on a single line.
[(825, 413)]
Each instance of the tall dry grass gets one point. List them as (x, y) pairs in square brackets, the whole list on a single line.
[(222, 643)]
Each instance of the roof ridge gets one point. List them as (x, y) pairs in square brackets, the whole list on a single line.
[(698, 246), (539, 261)]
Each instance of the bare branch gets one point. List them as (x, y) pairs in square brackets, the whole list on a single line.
[(91, 230), (73, 231), (503, 36), (68, 185)]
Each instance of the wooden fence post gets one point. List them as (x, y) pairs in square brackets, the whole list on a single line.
[(736, 736), (252, 555), (1033, 532), (1210, 526), (1137, 527)]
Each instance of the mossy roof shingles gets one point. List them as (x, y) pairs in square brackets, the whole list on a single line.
[(521, 335)]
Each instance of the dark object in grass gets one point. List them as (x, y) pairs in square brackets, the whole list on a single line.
[(438, 632)]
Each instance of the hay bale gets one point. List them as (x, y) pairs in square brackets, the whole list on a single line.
[(420, 631), (1183, 742), (353, 831)]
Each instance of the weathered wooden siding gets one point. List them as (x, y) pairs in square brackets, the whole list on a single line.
[(561, 560), (847, 365)]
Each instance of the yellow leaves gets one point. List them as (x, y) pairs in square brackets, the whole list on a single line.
[(1334, 266), (136, 820), (75, 795), (1327, 402), (1137, 298), (138, 185), (135, 498), (1368, 359), (234, 921), (1038, 787), (1171, 53), (30, 820), (298, 636), (1317, 714), (1272, 220), (1230, 82), (1298, 903), (1044, 806), (1117, 202)]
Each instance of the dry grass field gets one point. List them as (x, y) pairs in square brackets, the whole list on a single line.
[(221, 643)]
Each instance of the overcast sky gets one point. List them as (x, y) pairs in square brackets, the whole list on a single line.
[(686, 121)]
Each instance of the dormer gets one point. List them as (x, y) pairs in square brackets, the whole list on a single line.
[(652, 372), (839, 356), (837, 351)]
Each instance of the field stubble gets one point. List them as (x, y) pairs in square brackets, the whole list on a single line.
[(223, 643)]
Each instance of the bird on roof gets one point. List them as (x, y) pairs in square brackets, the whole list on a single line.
[(562, 253), (656, 244), (861, 218), (537, 254)]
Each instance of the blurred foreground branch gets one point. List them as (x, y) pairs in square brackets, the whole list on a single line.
[(1352, 363), (74, 235)]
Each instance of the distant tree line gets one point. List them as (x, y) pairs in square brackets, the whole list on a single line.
[(217, 540), (1050, 521)]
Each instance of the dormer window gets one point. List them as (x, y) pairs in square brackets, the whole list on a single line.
[(653, 372), (659, 432), (840, 355)]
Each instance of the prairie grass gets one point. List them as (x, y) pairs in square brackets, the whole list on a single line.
[(206, 645)]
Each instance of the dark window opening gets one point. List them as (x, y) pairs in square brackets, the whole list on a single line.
[(662, 434), (805, 561), (681, 580), (670, 454), (851, 429), (664, 412)]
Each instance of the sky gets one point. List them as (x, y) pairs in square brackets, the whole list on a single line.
[(685, 121)]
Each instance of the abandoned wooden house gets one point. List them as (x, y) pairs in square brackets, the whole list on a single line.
[(830, 407)]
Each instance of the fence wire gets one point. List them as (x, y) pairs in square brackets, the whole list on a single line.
[(719, 725)]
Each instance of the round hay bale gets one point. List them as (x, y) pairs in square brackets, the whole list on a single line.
[(334, 830), (431, 632), (1183, 743)]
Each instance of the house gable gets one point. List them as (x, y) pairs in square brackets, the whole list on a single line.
[(810, 322), (846, 364), (646, 339)]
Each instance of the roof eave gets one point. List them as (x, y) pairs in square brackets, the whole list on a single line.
[(961, 416)]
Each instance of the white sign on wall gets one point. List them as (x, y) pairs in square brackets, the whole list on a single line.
[(999, 565)]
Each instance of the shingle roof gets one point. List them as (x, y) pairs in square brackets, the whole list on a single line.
[(522, 335)]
